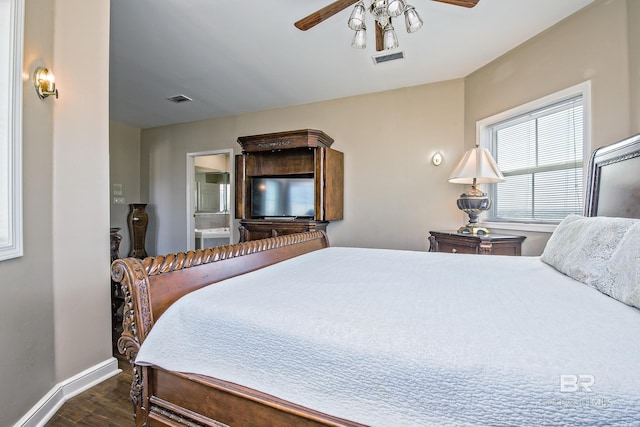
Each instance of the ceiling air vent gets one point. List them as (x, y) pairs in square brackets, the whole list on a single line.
[(386, 58), (179, 98)]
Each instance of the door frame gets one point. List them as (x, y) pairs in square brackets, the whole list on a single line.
[(191, 186)]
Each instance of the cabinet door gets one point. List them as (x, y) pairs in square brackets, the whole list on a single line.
[(332, 176), (242, 201)]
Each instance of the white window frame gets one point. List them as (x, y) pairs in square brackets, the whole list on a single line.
[(483, 139), (11, 131)]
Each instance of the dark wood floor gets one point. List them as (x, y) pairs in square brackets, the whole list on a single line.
[(106, 404)]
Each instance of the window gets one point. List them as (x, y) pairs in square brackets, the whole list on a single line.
[(540, 149), (11, 18)]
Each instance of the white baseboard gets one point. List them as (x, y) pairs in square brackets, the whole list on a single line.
[(46, 408)]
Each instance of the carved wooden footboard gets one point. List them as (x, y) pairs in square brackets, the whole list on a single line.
[(151, 285)]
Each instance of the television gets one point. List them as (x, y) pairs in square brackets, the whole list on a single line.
[(284, 197)]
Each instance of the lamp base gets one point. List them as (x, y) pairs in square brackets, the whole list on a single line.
[(473, 229), (473, 203)]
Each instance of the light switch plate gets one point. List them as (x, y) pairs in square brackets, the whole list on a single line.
[(117, 189)]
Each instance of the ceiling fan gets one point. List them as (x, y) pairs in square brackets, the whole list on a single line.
[(382, 12)]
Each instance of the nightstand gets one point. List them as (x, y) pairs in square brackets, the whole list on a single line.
[(490, 244)]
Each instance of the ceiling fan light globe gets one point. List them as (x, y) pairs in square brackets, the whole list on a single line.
[(379, 12), (356, 20), (412, 20), (396, 7), (389, 38), (360, 38)]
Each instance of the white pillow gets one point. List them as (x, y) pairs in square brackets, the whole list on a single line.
[(602, 252), (622, 278)]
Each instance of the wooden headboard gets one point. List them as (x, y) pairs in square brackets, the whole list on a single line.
[(614, 180)]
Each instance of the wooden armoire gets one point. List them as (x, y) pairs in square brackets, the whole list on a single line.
[(301, 154)]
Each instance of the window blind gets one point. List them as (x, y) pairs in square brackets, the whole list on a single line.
[(540, 154)]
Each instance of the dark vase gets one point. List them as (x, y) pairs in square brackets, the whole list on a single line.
[(137, 220), (115, 243)]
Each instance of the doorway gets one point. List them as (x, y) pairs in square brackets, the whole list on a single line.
[(209, 207)]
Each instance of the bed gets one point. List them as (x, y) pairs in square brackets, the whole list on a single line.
[(289, 331)]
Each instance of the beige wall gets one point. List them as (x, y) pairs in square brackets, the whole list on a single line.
[(393, 194), (590, 45), (81, 186), (124, 169), (634, 63), (55, 318)]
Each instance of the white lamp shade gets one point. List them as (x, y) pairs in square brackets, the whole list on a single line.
[(476, 164)]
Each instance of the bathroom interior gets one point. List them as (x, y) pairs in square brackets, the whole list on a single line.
[(213, 199)]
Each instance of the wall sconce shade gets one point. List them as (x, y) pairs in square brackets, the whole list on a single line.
[(44, 83), (476, 167), (437, 159)]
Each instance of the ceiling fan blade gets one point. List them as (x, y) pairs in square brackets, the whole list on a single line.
[(463, 3), (379, 38), (320, 15)]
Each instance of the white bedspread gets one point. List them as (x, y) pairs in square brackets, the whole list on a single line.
[(399, 338)]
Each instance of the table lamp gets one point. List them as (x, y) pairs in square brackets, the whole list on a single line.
[(476, 167)]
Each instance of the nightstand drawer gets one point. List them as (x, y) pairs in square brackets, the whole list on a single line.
[(456, 248), (491, 244)]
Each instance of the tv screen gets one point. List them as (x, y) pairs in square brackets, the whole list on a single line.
[(282, 197)]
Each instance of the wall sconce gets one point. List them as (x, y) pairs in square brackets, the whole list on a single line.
[(45, 83)]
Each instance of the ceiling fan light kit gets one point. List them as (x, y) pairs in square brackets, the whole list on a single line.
[(382, 11)]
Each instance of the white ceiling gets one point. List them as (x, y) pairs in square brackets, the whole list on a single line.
[(235, 57)]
